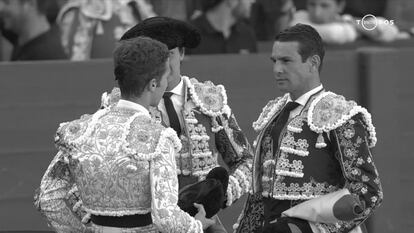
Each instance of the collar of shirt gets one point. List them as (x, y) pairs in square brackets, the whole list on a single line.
[(303, 99), (134, 106), (178, 90)]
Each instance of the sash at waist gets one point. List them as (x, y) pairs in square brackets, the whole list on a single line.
[(127, 221)]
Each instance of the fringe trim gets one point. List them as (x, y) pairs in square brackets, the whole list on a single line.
[(199, 137), (229, 196), (89, 130), (293, 197), (202, 154), (294, 151), (273, 106), (294, 129), (242, 180), (289, 173), (268, 163)]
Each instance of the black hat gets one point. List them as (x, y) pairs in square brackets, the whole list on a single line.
[(211, 193), (174, 33)]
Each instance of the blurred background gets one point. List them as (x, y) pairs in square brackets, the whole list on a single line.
[(55, 62)]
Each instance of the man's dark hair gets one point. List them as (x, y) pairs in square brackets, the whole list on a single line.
[(136, 62), (310, 42)]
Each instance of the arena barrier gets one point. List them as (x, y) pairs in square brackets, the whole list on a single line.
[(388, 75)]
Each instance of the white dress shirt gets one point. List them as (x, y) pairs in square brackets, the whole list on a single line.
[(302, 100), (178, 101)]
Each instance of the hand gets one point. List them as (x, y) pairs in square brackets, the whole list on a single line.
[(201, 216), (288, 225)]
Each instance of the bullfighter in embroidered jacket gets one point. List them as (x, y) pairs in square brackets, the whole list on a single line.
[(313, 170), (119, 160), (199, 113)]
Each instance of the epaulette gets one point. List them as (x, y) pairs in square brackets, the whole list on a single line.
[(142, 138), (210, 98), (268, 111), (329, 111), (74, 132)]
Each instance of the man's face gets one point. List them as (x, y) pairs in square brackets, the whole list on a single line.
[(324, 11), (291, 74), (12, 13), (160, 89), (175, 65), (243, 8)]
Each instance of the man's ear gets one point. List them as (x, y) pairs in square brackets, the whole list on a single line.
[(152, 85), (182, 53), (315, 62)]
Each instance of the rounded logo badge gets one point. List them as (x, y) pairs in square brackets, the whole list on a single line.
[(369, 22)]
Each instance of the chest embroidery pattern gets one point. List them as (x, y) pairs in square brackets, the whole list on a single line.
[(195, 158)]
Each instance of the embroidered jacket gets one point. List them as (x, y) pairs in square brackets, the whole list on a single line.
[(89, 25), (212, 137), (324, 149), (116, 162)]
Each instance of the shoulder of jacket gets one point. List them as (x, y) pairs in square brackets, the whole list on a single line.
[(209, 97), (328, 111), (73, 132), (269, 110)]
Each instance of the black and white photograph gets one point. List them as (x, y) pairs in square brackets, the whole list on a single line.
[(206, 116)]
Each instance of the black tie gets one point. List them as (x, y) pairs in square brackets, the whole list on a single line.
[(172, 114), (280, 123)]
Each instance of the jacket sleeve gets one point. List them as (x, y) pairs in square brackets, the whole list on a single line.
[(360, 173), (168, 217), (56, 199), (236, 152)]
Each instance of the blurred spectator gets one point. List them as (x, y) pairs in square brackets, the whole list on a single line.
[(176, 9), (300, 4), (194, 9), (325, 16), (401, 11), (224, 29), (90, 28), (25, 24), (357, 8), (269, 17)]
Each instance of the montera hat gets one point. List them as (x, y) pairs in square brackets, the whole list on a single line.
[(174, 33), (211, 193)]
